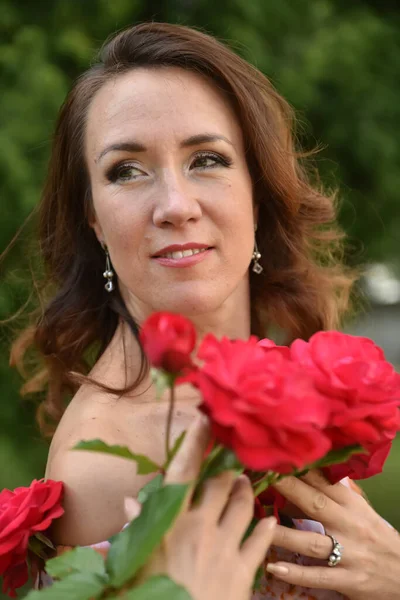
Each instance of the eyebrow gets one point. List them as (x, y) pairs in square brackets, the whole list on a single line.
[(133, 146)]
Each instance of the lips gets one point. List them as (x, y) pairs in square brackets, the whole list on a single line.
[(177, 251), (182, 253), (183, 258)]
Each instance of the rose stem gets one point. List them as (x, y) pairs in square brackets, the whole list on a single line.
[(169, 421)]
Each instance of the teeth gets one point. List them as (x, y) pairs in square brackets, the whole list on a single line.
[(177, 255)]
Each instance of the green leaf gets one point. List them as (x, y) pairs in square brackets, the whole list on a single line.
[(145, 465), (37, 548), (258, 579), (221, 459), (131, 548), (335, 457), (78, 560), (224, 460), (175, 448), (158, 587), (150, 487), (44, 539), (250, 529), (79, 586)]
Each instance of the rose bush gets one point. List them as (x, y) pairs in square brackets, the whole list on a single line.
[(23, 513), (168, 341)]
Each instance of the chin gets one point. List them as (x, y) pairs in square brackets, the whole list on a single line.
[(191, 303)]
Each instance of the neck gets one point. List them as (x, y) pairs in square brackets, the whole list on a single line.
[(231, 319)]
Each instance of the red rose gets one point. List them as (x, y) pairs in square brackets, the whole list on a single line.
[(271, 497), (261, 405), (365, 391), (347, 366), (24, 512), (267, 345), (360, 466), (168, 340)]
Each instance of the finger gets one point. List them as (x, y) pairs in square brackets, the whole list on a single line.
[(215, 496), (238, 511), (338, 492), (314, 503), (255, 548), (306, 543), (132, 508), (185, 465), (326, 578)]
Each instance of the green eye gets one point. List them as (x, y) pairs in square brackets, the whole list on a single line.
[(210, 160), (125, 172), (204, 161)]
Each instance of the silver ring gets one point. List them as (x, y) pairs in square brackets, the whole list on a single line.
[(337, 550)]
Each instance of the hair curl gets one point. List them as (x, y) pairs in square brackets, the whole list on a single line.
[(304, 286)]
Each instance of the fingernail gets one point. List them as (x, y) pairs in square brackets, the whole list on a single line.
[(271, 522), (242, 478), (277, 569), (132, 507)]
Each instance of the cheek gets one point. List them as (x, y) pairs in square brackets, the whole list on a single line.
[(239, 218), (120, 221)]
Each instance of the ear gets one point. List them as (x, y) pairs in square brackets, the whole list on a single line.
[(95, 225), (255, 215)]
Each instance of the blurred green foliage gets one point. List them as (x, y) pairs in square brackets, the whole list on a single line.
[(335, 61)]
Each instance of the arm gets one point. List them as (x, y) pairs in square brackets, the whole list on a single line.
[(95, 488)]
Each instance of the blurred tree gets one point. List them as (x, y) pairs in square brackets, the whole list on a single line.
[(335, 61)]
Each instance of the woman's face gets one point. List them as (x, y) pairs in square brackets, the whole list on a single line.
[(168, 175)]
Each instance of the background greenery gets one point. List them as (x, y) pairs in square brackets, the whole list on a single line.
[(336, 61)]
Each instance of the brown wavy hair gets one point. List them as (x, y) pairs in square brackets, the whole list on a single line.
[(304, 286)]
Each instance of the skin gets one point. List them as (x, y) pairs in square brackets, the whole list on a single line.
[(176, 193), (203, 550), (170, 193), (371, 556)]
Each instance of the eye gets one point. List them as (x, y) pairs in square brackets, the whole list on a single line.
[(124, 172), (210, 160)]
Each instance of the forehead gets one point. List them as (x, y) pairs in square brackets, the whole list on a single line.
[(157, 104)]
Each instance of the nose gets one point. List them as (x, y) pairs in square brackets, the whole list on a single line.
[(176, 204)]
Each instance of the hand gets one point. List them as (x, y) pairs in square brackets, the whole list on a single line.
[(203, 550), (370, 567)]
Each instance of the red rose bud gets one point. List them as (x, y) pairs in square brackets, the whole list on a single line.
[(271, 497), (24, 512), (168, 340), (261, 405), (259, 510)]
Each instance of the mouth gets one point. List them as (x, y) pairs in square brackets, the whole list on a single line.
[(177, 254)]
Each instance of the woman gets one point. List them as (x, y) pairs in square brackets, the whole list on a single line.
[(168, 155)]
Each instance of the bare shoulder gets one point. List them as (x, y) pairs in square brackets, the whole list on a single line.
[(96, 484)]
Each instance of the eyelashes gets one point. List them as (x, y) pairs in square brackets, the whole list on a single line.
[(122, 172), (218, 160)]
